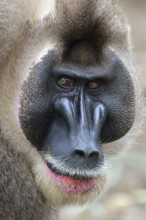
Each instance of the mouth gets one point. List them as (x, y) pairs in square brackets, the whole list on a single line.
[(71, 184)]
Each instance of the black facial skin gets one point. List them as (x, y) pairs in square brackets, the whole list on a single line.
[(70, 110)]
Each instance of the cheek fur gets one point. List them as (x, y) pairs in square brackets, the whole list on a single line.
[(44, 8)]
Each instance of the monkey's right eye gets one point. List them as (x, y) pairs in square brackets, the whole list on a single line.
[(66, 82)]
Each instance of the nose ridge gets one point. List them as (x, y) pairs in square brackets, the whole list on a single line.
[(65, 108), (99, 116), (84, 121), (87, 148)]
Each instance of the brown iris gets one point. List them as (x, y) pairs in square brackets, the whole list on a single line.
[(66, 82), (94, 85)]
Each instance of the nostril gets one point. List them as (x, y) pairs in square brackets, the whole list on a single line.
[(86, 157), (79, 153), (94, 155)]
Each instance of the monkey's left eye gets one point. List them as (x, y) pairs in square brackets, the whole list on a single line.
[(66, 82), (95, 85)]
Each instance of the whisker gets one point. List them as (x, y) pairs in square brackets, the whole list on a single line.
[(62, 166)]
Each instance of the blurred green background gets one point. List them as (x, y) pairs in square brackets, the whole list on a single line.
[(126, 197)]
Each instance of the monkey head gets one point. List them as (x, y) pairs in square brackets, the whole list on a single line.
[(73, 96)]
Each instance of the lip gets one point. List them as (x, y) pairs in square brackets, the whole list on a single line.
[(71, 185)]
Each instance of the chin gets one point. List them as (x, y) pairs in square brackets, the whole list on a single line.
[(65, 189)]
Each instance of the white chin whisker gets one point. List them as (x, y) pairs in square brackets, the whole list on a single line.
[(63, 168)]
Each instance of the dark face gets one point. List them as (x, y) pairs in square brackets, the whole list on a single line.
[(69, 109)]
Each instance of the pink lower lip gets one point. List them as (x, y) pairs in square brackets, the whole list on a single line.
[(71, 185)]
